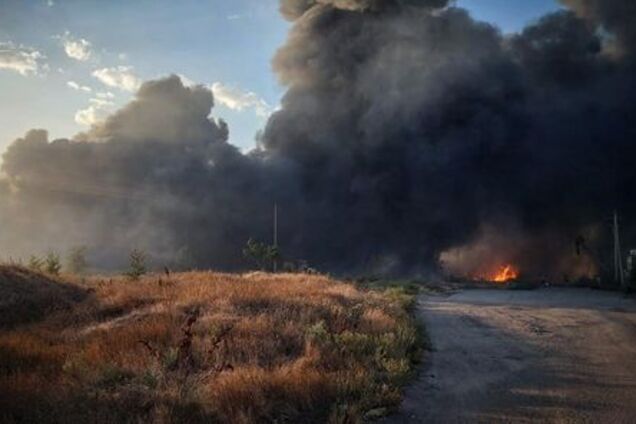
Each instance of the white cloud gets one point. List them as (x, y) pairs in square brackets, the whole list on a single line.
[(101, 102), (89, 116), (105, 95), (78, 87), (236, 99), (187, 81), (50, 3), (21, 59), (121, 77), (96, 112), (76, 48)]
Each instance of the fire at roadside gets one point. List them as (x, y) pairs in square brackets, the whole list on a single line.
[(502, 256)]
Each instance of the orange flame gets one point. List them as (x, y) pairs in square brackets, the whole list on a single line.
[(505, 274)]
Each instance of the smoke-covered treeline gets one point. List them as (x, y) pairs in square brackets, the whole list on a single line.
[(408, 131)]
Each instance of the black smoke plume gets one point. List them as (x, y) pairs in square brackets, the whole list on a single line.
[(409, 133)]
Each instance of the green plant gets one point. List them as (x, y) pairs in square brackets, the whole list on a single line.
[(52, 263), (35, 263), (76, 261), (137, 264), (318, 333), (263, 255), (112, 376), (150, 379)]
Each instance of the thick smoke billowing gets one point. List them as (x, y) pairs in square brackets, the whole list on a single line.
[(408, 131), (157, 175)]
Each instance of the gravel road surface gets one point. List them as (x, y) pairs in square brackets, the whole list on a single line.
[(550, 355)]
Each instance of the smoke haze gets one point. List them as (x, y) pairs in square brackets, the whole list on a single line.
[(408, 131)]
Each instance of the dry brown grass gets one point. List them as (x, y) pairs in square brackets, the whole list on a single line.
[(258, 348)]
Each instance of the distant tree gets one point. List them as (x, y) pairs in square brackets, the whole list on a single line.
[(137, 264), (76, 260), (261, 254), (35, 263), (52, 263)]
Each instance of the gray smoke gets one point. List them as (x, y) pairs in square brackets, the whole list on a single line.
[(157, 175), (408, 131)]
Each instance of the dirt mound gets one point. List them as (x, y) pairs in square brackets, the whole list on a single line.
[(27, 296)]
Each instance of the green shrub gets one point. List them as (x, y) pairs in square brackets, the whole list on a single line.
[(36, 263), (317, 333), (262, 255), (52, 264), (137, 264), (76, 261), (112, 376)]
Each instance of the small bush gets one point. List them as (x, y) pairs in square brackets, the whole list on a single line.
[(76, 261), (52, 264), (262, 255), (35, 263), (317, 333), (112, 376), (137, 264)]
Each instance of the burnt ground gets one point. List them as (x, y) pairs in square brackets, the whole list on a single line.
[(549, 355)]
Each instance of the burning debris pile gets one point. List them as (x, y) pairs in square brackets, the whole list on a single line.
[(497, 256), (407, 129), (504, 274)]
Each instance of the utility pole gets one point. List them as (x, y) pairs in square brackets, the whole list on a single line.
[(276, 234), (619, 275)]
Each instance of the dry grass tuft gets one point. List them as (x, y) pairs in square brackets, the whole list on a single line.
[(201, 347)]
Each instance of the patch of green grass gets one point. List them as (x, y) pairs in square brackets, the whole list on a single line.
[(380, 284), (112, 376), (400, 352)]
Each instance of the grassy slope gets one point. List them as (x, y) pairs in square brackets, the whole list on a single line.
[(255, 348), (27, 296)]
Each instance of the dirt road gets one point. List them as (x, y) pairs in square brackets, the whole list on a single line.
[(550, 355)]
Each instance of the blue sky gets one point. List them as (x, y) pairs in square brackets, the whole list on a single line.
[(67, 63)]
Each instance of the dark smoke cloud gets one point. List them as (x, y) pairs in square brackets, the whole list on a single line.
[(165, 112), (294, 9), (408, 131), (616, 17), (433, 127), (157, 175)]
